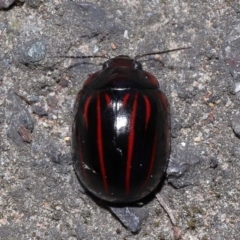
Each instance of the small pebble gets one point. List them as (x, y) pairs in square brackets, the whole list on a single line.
[(6, 3), (125, 35), (39, 111), (211, 105), (66, 139), (113, 46), (236, 124), (197, 139), (213, 162), (25, 134), (64, 83), (34, 51)]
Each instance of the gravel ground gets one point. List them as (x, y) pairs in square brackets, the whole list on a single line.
[(40, 197)]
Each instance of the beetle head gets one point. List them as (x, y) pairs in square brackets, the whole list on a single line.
[(122, 61)]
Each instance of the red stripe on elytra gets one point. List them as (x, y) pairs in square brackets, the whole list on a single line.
[(85, 110), (151, 162), (125, 98), (130, 145), (108, 99), (100, 144), (148, 111)]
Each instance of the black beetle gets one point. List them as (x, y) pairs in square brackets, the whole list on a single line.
[(121, 132)]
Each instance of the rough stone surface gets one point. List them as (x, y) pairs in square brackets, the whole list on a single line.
[(40, 195)]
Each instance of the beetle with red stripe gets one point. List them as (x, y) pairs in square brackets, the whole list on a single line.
[(121, 132)]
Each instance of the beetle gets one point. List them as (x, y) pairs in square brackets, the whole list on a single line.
[(121, 131)]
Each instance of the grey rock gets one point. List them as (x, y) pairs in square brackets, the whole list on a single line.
[(39, 110), (57, 215), (6, 3), (17, 116), (57, 157), (64, 83), (232, 56), (175, 127), (33, 3), (235, 6), (65, 159), (81, 231), (236, 151), (130, 217), (213, 162), (33, 51), (183, 162), (33, 99), (52, 101), (53, 154), (236, 124)]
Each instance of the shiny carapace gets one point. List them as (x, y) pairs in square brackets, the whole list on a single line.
[(121, 132)]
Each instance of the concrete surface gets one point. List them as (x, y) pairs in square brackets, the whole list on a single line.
[(40, 197)]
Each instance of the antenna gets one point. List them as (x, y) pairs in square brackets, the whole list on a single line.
[(82, 57), (162, 52)]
